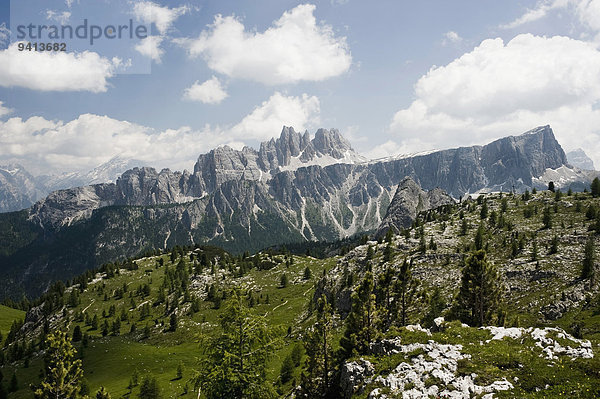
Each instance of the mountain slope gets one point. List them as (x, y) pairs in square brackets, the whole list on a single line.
[(232, 201), (547, 346)]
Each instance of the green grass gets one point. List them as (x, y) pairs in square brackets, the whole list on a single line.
[(7, 316), (110, 361)]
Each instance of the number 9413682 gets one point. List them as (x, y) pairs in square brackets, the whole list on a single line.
[(42, 46)]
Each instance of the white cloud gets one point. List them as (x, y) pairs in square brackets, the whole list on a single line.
[(294, 49), (45, 146), (209, 92), (60, 17), (499, 89), (587, 13), (4, 110), (451, 37), (278, 110), (150, 47), (54, 71), (161, 17)]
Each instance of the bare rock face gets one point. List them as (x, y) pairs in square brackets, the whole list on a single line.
[(354, 375), (409, 200), (292, 189), (18, 188)]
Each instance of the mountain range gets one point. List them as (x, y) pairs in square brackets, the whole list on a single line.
[(292, 189), (19, 189)]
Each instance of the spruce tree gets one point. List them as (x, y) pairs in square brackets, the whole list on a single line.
[(149, 389), (315, 380), (63, 372), (362, 320), (404, 291), (480, 290), (479, 237), (77, 335), (236, 358), (589, 258), (547, 218), (595, 187)]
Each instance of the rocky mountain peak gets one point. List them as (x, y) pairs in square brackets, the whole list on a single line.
[(331, 142), (408, 201)]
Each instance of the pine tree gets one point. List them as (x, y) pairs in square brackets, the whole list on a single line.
[(464, 227), (319, 353), (436, 305), (284, 281), (534, 251), (173, 322), (63, 372), (149, 389), (484, 211), (287, 369), (236, 358), (547, 218), (479, 237), (480, 290), (307, 273), (404, 291), (553, 246), (595, 187), (77, 336), (551, 186), (362, 319), (384, 296), (589, 258)]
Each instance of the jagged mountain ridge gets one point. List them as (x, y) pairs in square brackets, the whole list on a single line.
[(227, 202), (19, 189), (513, 162)]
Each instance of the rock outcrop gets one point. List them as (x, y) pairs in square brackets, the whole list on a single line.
[(408, 201)]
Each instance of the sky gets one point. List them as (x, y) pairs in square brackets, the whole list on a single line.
[(394, 77)]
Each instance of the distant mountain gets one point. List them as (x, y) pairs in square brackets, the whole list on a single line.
[(249, 199), (19, 189), (580, 159)]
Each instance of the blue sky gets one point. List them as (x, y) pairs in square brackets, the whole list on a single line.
[(393, 76)]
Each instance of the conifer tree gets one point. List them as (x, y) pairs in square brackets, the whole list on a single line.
[(595, 187), (236, 358), (547, 218), (404, 291), (63, 372), (479, 237), (362, 321), (149, 389), (319, 352), (480, 290), (589, 258), (384, 296)]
